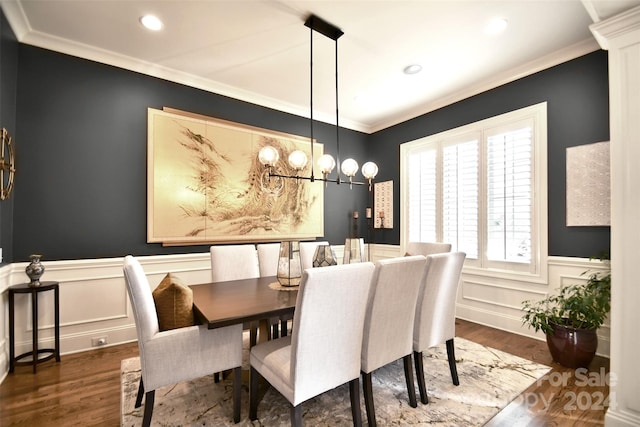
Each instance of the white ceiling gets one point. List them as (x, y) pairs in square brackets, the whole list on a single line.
[(258, 51)]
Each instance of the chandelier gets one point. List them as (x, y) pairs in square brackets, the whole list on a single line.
[(268, 155)]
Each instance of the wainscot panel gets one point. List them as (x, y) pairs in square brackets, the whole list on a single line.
[(94, 303)]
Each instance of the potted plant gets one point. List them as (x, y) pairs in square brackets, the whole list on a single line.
[(570, 318)]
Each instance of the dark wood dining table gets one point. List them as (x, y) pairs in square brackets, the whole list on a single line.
[(246, 301)]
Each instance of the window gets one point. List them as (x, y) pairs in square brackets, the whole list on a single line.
[(478, 188)]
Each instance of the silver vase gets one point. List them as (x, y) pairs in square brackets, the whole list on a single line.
[(34, 270)]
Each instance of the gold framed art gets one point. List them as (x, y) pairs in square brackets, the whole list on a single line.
[(206, 185)]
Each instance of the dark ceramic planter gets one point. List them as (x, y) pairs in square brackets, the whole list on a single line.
[(571, 347)]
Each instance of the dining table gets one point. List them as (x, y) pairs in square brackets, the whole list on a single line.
[(246, 301)]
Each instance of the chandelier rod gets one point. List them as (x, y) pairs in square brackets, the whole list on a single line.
[(311, 91)]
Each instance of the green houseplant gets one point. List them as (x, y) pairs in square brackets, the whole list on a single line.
[(570, 318)]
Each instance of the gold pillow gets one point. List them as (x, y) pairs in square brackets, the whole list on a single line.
[(174, 303)]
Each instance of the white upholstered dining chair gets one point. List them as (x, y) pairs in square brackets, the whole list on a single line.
[(435, 321), (268, 255), (427, 248), (175, 355), (313, 359), (388, 331), (234, 262)]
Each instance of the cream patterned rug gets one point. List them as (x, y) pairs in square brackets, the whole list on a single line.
[(489, 380)]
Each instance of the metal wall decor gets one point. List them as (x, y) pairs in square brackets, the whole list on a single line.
[(7, 165)]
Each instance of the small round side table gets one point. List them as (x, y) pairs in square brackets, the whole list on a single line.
[(24, 288)]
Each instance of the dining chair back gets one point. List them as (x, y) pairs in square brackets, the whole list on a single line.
[(234, 262), (307, 251), (268, 254), (435, 321), (388, 332), (172, 356), (427, 248), (313, 359)]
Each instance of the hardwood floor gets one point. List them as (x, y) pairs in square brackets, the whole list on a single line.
[(84, 388)]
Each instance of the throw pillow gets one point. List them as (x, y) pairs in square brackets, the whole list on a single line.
[(174, 303)]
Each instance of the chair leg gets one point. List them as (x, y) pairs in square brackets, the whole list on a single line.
[(408, 375), (253, 334), (367, 387), (354, 393), (237, 388), (451, 355), (148, 408), (296, 415), (253, 394), (140, 394), (417, 356)]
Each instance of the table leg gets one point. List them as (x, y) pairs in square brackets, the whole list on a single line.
[(34, 325), (57, 322), (12, 338), (263, 330)]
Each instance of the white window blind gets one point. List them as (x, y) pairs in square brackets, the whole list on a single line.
[(460, 197), (509, 196), (477, 188), (422, 196)]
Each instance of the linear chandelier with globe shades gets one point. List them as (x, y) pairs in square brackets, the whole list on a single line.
[(268, 155)]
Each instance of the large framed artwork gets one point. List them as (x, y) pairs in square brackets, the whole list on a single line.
[(206, 185)]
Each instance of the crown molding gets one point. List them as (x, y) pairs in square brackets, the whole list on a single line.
[(25, 34), (572, 52)]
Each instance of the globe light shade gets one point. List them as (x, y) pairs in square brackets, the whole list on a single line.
[(326, 163), (268, 156), (297, 159), (349, 167), (369, 170)]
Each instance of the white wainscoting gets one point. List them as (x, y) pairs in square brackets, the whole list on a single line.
[(94, 301), (497, 302)]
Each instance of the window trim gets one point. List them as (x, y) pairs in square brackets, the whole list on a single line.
[(539, 250)]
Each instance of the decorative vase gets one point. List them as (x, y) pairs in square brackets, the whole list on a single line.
[(289, 265), (353, 250), (324, 256), (35, 270), (571, 347)]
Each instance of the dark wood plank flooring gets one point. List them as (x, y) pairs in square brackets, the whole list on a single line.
[(84, 388)]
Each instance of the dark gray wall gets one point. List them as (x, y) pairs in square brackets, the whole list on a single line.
[(81, 132), (8, 83), (83, 136), (577, 96)]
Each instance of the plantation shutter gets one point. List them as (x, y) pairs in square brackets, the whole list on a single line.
[(422, 196), (460, 197), (509, 195)]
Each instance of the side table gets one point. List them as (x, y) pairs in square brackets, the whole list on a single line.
[(24, 288)]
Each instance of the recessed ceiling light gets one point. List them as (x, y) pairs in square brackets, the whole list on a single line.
[(496, 26), (151, 22), (412, 69)]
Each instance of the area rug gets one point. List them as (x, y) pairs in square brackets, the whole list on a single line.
[(489, 380)]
